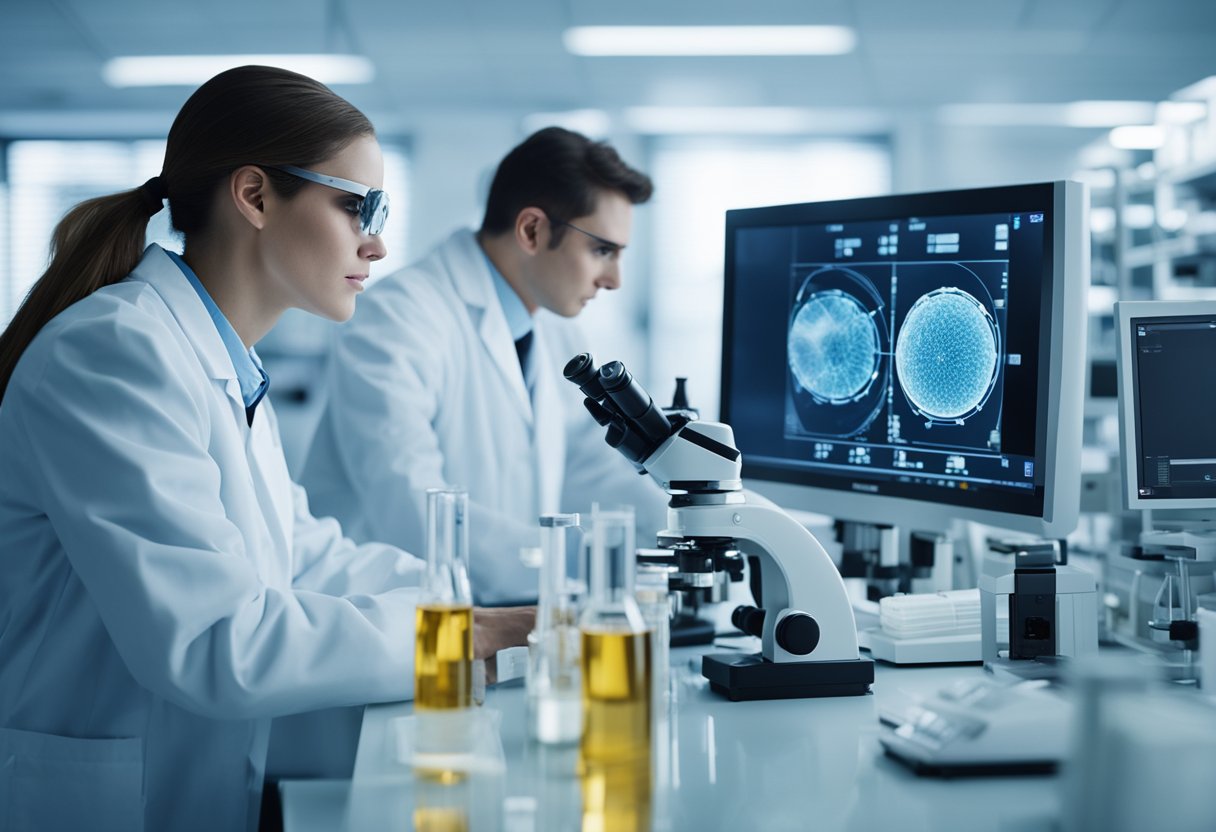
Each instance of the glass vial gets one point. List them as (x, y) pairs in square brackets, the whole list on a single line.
[(443, 648), (654, 600), (554, 706)]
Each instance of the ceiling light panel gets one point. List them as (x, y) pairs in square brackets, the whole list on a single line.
[(191, 70), (685, 41)]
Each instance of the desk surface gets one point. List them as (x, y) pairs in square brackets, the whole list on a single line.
[(788, 764)]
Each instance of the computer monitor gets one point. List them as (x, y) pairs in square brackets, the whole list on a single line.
[(909, 360), (1167, 403)]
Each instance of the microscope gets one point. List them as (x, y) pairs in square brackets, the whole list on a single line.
[(803, 616)]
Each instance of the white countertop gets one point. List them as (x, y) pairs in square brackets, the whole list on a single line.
[(775, 765)]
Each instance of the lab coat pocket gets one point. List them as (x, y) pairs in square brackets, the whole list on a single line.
[(52, 782)]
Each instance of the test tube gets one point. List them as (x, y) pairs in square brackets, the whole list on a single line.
[(654, 601)]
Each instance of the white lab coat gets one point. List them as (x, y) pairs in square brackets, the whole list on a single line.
[(164, 590), (424, 389)]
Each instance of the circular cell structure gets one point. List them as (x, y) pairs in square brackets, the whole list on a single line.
[(833, 347), (946, 353)]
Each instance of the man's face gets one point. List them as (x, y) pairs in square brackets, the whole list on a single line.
[(588, 258)]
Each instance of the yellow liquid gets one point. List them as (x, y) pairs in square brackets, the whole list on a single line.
[(616, 698), (616, 797), (614, 753), (443, 657), (441, 819)]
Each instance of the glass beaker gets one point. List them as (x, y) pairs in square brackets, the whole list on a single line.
[(616, 660), (443, 645), (554, 705)]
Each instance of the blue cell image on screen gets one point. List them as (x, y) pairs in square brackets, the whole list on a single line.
[(837, 351), (833, 347), (939, 384), (946, 354)]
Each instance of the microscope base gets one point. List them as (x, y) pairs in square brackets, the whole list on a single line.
[(743, 678)]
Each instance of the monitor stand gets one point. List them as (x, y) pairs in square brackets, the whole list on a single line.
[(1184, 537)]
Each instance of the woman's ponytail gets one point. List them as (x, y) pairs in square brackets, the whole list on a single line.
[(97, 243)]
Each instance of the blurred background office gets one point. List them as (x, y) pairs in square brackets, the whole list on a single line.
[(813, 101)]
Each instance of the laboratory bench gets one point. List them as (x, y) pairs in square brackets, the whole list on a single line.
[(793, 764)]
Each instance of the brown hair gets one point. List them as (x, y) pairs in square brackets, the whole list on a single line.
[(561, 172), (248, 115)]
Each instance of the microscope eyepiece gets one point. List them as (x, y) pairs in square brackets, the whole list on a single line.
[(636, 427), (614, 376), (581, 370), (634, 402)]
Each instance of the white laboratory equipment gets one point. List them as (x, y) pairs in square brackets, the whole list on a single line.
[(1052, 607), (803, 617), (981, 727)]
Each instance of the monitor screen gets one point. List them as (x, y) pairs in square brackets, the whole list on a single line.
[(1168, 389), (908, 348)]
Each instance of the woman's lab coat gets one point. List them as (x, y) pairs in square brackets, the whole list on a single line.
[(425, 389), (164, 590)]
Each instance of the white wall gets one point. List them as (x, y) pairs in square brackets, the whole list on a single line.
[(930, 156), (452, 158)]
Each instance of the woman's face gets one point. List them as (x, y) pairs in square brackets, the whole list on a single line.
[(315, 254)]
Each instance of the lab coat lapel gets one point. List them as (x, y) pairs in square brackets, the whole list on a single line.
[(473, 282), (274, 486), (549, 436), (268, 471), (187, 307)]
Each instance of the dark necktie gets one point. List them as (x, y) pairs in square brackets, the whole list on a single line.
[(522, 345)]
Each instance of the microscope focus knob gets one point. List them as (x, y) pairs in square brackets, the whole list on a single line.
[(798, 633)]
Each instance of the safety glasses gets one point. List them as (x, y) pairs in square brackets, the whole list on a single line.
[(373, 211)]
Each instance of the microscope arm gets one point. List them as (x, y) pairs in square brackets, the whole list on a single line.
[(797, 575)]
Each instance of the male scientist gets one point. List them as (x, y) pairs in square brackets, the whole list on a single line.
[(450, 372)]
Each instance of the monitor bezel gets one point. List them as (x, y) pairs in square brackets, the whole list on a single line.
[(1127, 314), (1062, 351)]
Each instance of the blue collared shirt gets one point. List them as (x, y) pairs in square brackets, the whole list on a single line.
[(519, 322), (249, 373)]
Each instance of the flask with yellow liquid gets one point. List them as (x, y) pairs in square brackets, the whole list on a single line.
[(443, 641), (614, 749)]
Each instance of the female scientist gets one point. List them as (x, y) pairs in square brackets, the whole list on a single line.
[(164, 591)]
